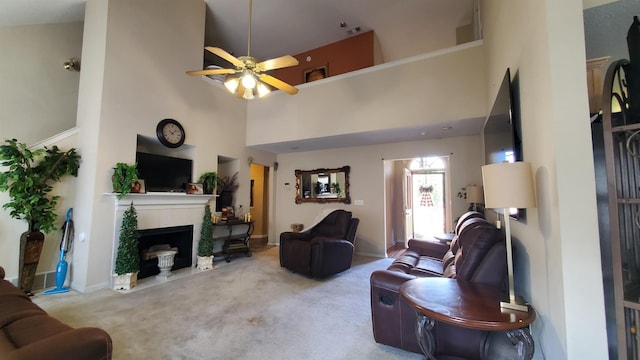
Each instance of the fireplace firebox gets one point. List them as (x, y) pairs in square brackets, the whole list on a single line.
[(150, 241)]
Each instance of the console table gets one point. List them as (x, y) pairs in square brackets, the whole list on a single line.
[(236, 235), (472, 306)]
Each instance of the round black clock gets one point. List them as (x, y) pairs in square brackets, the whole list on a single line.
[(170, 133)]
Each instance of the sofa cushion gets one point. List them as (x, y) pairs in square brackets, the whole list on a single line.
[(32, 329)]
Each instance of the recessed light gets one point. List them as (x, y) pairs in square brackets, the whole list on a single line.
[(423, 133), (447, 128)]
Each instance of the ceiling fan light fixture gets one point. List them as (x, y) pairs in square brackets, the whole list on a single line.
[(248, 80), (231, 83), (248, 94), (263, 89)]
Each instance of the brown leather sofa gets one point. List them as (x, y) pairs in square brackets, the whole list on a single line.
[(28, 333), (477, 254), (324, 250)]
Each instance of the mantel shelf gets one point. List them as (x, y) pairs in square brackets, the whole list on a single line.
[(160, 198)]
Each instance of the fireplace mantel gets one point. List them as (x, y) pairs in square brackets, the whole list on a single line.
[(160, 210), (160, 199)]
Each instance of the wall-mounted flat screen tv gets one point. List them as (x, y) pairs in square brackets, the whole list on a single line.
[(164, 173), (501, 134), (501, 131)]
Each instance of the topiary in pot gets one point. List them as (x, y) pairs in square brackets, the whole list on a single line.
[(123, 175), (205, 244), (29, 179), (128, 258), (208, 181)]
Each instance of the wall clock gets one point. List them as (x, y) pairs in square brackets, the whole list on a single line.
[(170, 133)]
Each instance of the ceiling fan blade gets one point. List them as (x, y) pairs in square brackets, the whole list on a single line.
[(277, 83), (277, 63), (211, 72), (225, 55)]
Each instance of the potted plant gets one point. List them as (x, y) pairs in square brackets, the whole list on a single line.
[(123, 175), (29, 179), (225, 189), (208, 181), (205, 244), (128, 258)]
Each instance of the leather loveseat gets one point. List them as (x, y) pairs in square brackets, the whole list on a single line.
[(28, 333), (476, 254), (324, 250)]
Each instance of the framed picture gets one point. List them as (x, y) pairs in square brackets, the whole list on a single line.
[(137, 186), (315, 74), (194, 189)]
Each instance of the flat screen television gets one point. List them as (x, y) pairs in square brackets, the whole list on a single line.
[(501, 131), (502, 140), (164, 173)]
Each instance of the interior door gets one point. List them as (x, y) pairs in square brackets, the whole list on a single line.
[(407, 199)]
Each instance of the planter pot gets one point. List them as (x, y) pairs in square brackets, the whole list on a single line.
[(125, 282), (205, 262), (31, 244)]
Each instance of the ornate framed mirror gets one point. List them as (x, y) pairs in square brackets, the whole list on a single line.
[(323, 186)]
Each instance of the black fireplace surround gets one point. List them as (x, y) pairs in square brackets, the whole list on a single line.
[(180, 237)]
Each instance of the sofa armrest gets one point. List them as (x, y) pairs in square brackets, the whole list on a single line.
[(87, 343), (434, 249), (330, 256)]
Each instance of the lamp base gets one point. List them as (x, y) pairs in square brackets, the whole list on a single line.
[(517, 304)]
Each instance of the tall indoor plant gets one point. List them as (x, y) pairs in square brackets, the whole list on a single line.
[(205, 244), (226, 187), (128, 257), (29, 178)]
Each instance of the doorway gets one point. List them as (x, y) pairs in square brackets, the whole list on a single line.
[(423, 199), (259, 205)]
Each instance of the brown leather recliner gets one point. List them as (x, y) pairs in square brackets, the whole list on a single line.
[(477, 254), (325, 249)]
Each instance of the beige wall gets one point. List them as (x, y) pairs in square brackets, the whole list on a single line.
[(367, 183), (558, 247), (35, 88), (414, 92)]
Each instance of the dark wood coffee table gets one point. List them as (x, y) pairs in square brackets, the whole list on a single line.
[(467, 305)]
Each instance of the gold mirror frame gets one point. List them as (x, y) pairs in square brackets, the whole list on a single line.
[(318, 186)]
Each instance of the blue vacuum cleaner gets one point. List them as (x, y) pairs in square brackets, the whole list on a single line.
[(65, 246)]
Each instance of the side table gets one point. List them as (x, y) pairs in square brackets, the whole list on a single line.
[(471, 306)]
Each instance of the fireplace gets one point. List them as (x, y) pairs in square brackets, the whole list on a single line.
[(150, 241)]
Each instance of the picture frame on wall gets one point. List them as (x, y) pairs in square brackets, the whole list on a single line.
[(316, 73), (138, 186), (195, 189)]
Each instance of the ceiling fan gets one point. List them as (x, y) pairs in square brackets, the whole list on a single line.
[(249, 78)]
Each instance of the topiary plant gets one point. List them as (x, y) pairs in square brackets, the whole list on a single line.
[(205, 245), (128, 259)]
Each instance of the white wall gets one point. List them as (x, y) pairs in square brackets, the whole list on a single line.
[(34, 86), (367, 182), (559, 258), (419, 91), (138, 53)]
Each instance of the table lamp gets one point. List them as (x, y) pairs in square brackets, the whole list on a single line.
[(509, 185), (474, 196)]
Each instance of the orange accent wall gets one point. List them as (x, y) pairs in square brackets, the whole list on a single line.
[(339, 57)]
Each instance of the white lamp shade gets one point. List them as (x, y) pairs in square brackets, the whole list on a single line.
[(474, 194), (508, 185)]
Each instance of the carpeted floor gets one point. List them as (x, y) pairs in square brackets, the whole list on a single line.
[(250, 308)]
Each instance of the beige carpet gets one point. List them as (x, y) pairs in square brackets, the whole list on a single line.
[(250, 308)]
